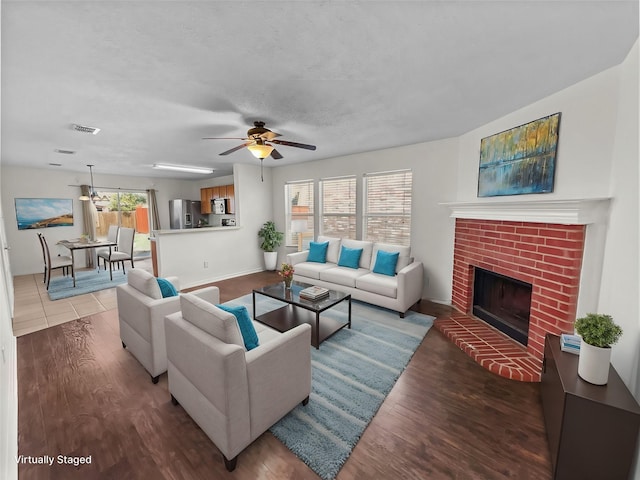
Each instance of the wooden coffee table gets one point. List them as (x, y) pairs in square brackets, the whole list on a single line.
[(298, 311)]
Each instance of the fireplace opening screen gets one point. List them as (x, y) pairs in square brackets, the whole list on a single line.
[(503, 302)]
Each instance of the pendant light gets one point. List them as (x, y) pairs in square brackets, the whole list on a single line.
[(93, 194)]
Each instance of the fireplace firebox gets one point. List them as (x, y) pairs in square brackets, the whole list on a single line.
[(503, 302)]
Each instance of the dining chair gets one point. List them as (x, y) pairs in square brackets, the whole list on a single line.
[(124, 250), (112, 236), (60, 261)]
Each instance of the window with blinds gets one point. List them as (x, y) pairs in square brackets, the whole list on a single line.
[(338, 207), (387, 207), (299, 214)]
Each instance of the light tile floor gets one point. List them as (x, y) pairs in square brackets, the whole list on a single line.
[(33, 310)]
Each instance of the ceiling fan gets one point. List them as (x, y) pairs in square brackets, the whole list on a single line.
[(259, 141)]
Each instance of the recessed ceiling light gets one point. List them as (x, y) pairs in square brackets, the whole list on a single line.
[(85, 129), (183, 168)]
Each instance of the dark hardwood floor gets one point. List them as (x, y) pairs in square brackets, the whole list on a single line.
[(81, 393)]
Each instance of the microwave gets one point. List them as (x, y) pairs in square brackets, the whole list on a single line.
[(219, 206)]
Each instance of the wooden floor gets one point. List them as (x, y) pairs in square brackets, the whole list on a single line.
[(81, 393)]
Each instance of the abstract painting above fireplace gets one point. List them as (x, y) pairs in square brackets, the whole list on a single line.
[(520, 160)]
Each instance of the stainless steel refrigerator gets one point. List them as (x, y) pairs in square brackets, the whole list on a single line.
[(184, 213)]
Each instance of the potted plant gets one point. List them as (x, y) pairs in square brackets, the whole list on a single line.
[(598, 333), (271, 239)]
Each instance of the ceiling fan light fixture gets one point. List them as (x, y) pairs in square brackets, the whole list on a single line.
[(260, 151), (183, 168)]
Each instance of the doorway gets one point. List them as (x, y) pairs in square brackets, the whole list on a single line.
[(125, 209)]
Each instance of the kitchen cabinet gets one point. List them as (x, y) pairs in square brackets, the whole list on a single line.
[(592, 429), (222, 191), (205, 200)]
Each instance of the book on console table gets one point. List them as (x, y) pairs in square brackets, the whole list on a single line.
[(314, 293)]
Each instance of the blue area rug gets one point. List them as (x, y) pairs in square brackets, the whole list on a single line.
[(352, 373), (87, 281)]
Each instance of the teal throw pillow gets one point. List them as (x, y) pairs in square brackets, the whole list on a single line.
[(349, 257), (248, 331), (386, 263), (318, 252), (166, 288)]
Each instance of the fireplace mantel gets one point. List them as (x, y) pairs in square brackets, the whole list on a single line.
[(581, 211)]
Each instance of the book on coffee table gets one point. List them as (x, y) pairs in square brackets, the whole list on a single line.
[(314, 293)]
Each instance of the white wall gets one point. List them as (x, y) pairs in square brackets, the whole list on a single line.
[(19, 182), (434, 170), (587, 131), (620, 281)]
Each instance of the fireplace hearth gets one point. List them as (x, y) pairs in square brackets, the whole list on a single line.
[(503, 302)]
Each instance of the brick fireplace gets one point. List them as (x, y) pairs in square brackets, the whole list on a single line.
[(547, 255)]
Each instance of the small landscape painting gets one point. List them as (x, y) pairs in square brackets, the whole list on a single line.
[(520, 160), (44, 212)]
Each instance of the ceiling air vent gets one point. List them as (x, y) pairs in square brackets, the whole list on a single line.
[(85, 129), (64, 152)]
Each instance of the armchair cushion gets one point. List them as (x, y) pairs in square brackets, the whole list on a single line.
[(144, 282), (248, 331), (213, 320), (166, 288)]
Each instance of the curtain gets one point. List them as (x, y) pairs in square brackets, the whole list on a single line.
[(153, 209), (89, 219)]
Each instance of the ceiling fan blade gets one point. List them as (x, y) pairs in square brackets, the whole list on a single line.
[(268, 136), (234, 149), (224, 138), (275, 154), (294, 144)]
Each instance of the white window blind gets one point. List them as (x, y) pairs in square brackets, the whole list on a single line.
[(300, 210), (387, 205), (338, 202)]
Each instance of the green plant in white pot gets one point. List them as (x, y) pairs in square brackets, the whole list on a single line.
[(271, 239), (598, 333)]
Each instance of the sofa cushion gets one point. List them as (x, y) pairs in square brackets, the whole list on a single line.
[(144, 282), (312, 269), (386, 263), (265, 334), (334, 248), (342, 275), (379, 284), (349, 257), (166, 288), (318, 252), (247, 330), (403, 258), (367, 247), (213, 320)]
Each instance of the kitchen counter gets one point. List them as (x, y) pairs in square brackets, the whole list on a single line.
[(192, 230), (198, 256)]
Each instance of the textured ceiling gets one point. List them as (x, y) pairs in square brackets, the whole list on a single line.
[(349, 77)]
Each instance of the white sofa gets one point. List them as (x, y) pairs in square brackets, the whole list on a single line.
[(234, 395), (141, 312), (398, 292)]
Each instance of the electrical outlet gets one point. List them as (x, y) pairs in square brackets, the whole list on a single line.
[(206, 264)]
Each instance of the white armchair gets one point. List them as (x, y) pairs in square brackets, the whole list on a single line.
[(234, 395), (141, 312)]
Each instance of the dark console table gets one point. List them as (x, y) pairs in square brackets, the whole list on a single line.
[(592, 430)]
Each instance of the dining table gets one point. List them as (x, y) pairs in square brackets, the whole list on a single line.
[(79, 244)]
